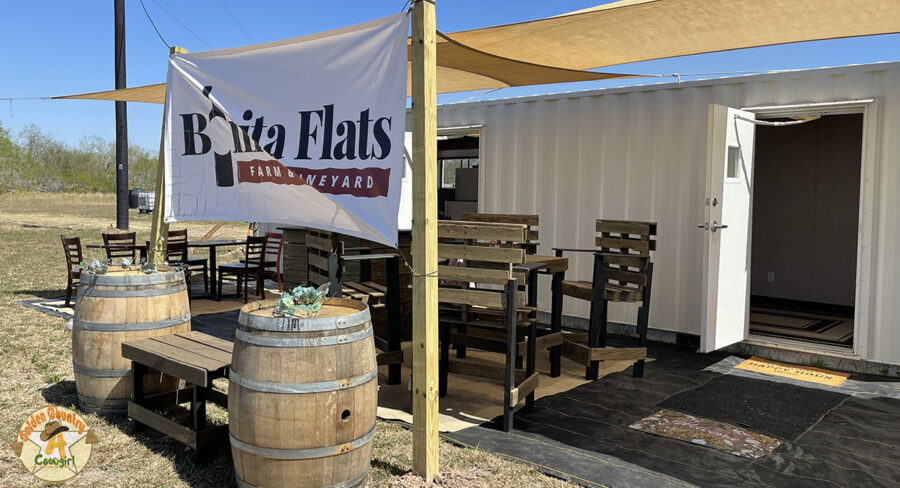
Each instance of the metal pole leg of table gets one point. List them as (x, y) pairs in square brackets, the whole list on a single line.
[(556, 321), (213, 269)]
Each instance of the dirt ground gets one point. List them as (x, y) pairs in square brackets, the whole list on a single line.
[(36, 366)]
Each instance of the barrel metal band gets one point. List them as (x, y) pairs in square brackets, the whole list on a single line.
[(132, 280), (147, 292), (322, 386), (101, 403), (302, 341), (314, 452), (108, 327), (100, 373), (301, 324), (347, 484)]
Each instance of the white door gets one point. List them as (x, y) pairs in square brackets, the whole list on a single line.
[(726, 229)]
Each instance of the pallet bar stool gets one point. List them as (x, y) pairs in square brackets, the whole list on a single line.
[(622, 265)]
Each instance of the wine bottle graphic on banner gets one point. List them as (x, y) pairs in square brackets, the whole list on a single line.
[(224, 169)]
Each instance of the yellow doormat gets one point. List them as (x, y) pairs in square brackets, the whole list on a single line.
[(803, 373)]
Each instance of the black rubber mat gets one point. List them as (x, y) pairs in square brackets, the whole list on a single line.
[(583, 435), (220, 324), (778, 409)]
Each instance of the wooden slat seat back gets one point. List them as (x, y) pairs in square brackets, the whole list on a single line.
[(118, 239), (320, 245), (626, 274), (478, 253), (72, 250), (626, 247), (326, 265), (532, 221), (272, 257)]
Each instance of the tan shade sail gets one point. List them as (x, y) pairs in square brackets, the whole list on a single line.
[(639, 30), (147, 94), (558, 49), (460, 68)]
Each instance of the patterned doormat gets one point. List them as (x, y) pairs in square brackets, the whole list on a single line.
[(707, 432), (812, 327)]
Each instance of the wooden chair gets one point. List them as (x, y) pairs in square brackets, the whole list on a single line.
[(250, 269), (177, 255), (531, 242), (194, 263), (120, 239), (72, 250), (272, 259), (482, 307), (327, 257), (622, 264)]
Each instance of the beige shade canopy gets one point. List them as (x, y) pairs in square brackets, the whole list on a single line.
[(638, 30), (460, 68), (558, 49)]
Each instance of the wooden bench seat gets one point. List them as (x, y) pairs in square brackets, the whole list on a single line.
[(196, 358)]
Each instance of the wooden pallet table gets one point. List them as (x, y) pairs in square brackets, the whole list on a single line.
[(196, 358)]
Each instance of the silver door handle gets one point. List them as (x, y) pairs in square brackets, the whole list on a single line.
[(704, 226), (715, 226)]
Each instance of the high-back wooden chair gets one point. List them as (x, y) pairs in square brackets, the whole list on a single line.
[(194, 263), (326, 260), (72, 250), (532, 221), (123, 239), (272, 258), (250, 269), (177, 255), (623, 266), (478, 289)]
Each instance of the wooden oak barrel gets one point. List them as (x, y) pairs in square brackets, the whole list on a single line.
[(302, 396), (122, 306)]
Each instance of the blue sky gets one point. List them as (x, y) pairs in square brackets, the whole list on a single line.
[(65, 47)]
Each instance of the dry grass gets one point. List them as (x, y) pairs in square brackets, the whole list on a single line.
[(37, 366)]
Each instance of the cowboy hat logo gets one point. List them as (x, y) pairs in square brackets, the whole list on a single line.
[(54, 443)]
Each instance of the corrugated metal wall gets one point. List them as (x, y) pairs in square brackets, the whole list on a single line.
[(640, 154)]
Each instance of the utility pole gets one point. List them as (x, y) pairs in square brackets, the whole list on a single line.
[(121, 121)]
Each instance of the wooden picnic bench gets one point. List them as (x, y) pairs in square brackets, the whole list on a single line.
[(196, 358)]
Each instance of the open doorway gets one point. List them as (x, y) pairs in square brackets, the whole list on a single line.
[(458, 160), (806, 197)]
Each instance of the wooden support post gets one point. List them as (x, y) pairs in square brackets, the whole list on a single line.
[(159, 230), (424, 248)]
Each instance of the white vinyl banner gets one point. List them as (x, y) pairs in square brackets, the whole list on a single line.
[(306, 131)]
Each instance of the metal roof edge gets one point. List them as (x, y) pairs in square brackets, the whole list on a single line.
[(771, 75)]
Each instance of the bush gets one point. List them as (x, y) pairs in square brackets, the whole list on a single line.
[(38, 161)]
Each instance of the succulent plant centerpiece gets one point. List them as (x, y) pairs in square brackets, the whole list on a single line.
[(302, 299)]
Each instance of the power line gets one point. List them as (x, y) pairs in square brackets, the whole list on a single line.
[(182, 24), (236, 21), (154, 25)]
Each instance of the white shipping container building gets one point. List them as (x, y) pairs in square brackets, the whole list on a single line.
[(816, 205)]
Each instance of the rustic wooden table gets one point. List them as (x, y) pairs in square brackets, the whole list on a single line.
[(196, 358)]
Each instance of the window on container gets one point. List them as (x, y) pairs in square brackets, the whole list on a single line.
[(733, 165), (448, 169)]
